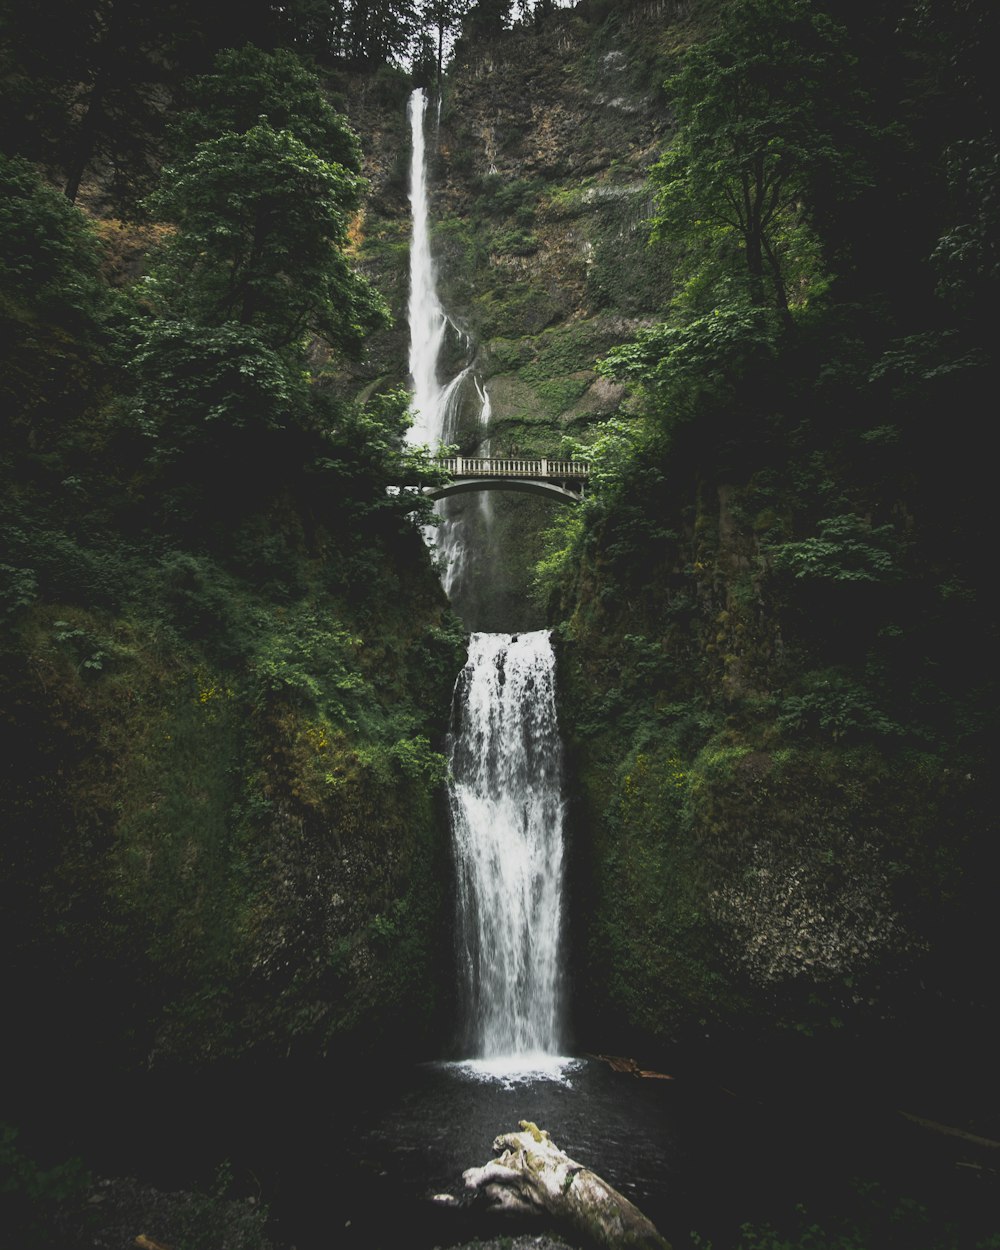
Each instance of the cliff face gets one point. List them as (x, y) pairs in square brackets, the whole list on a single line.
[(771, 825), (203, 856), (768, 628), (224, 681), (539, 158), (760, 853)]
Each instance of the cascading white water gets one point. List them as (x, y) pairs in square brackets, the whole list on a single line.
[(505, 788), (436, 404), (427, 320), (507, 823)]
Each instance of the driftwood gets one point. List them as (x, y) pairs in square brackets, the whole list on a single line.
[(618, 1063), (533, 1176), (947, 1129)]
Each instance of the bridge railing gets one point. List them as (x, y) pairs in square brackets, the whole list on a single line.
[(535, 468)]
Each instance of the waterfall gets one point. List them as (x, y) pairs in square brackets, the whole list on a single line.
[(427, 319), (507, 823), (506, 769), (436, 404)]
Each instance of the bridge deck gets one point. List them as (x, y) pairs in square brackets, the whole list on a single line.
[(534, 469)]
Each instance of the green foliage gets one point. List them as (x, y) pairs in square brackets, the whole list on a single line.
[(38, 1200), (365, 459), (310, 664), (514, 242), (709, 365), (766, 111), (18, 590), (48, 252), (418, 762), (846, 549), (836, 704), (198, 384), (248, 86), (261, 223), (508, 197), (966, 254), (560, 555)]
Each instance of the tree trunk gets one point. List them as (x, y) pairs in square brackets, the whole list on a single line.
[(86, 139), (533, 1177)]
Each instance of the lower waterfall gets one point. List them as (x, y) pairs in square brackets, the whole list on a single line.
[(507, 824)]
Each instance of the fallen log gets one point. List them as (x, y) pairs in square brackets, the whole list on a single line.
[(947, 1129), (532, 1176), (618, 1063)]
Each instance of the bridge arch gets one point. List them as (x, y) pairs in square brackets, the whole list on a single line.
[(563, 480), (527, 486)]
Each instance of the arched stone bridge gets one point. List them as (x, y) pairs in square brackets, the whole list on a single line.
[(565, 480)]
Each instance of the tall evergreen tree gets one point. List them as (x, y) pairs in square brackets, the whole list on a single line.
[(443, 17)]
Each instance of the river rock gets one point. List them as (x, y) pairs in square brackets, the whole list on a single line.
[(532, 1176)]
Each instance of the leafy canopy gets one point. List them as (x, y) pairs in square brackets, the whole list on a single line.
[(764, 110), (248, 86), (49, 258), (262, 221)]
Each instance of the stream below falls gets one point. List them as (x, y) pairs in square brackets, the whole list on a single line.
[(350, 1157)]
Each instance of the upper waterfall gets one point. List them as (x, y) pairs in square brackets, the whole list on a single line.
[(427, 318), (437, 404)]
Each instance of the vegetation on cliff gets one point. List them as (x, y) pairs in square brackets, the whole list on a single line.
[(777, 664), (226, 661)]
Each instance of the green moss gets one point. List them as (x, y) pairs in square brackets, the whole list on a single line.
[(516, 308)]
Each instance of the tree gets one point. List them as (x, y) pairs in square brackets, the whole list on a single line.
[(51, 309), (444, 17), (380, 30), (262, 222), (315, 27), (765, 111), (48, 254), (84, 83), (248, 84), (487, 19), (256, 266)]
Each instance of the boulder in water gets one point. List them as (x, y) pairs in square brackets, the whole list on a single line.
[(532, 1176)]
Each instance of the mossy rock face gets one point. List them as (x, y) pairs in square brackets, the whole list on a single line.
[(732, 883), (248, 834), (510, 394), (532, 405), (537, 199), (759, 847), (502, 530)]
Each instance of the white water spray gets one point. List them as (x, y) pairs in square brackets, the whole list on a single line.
[(507, 824)]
